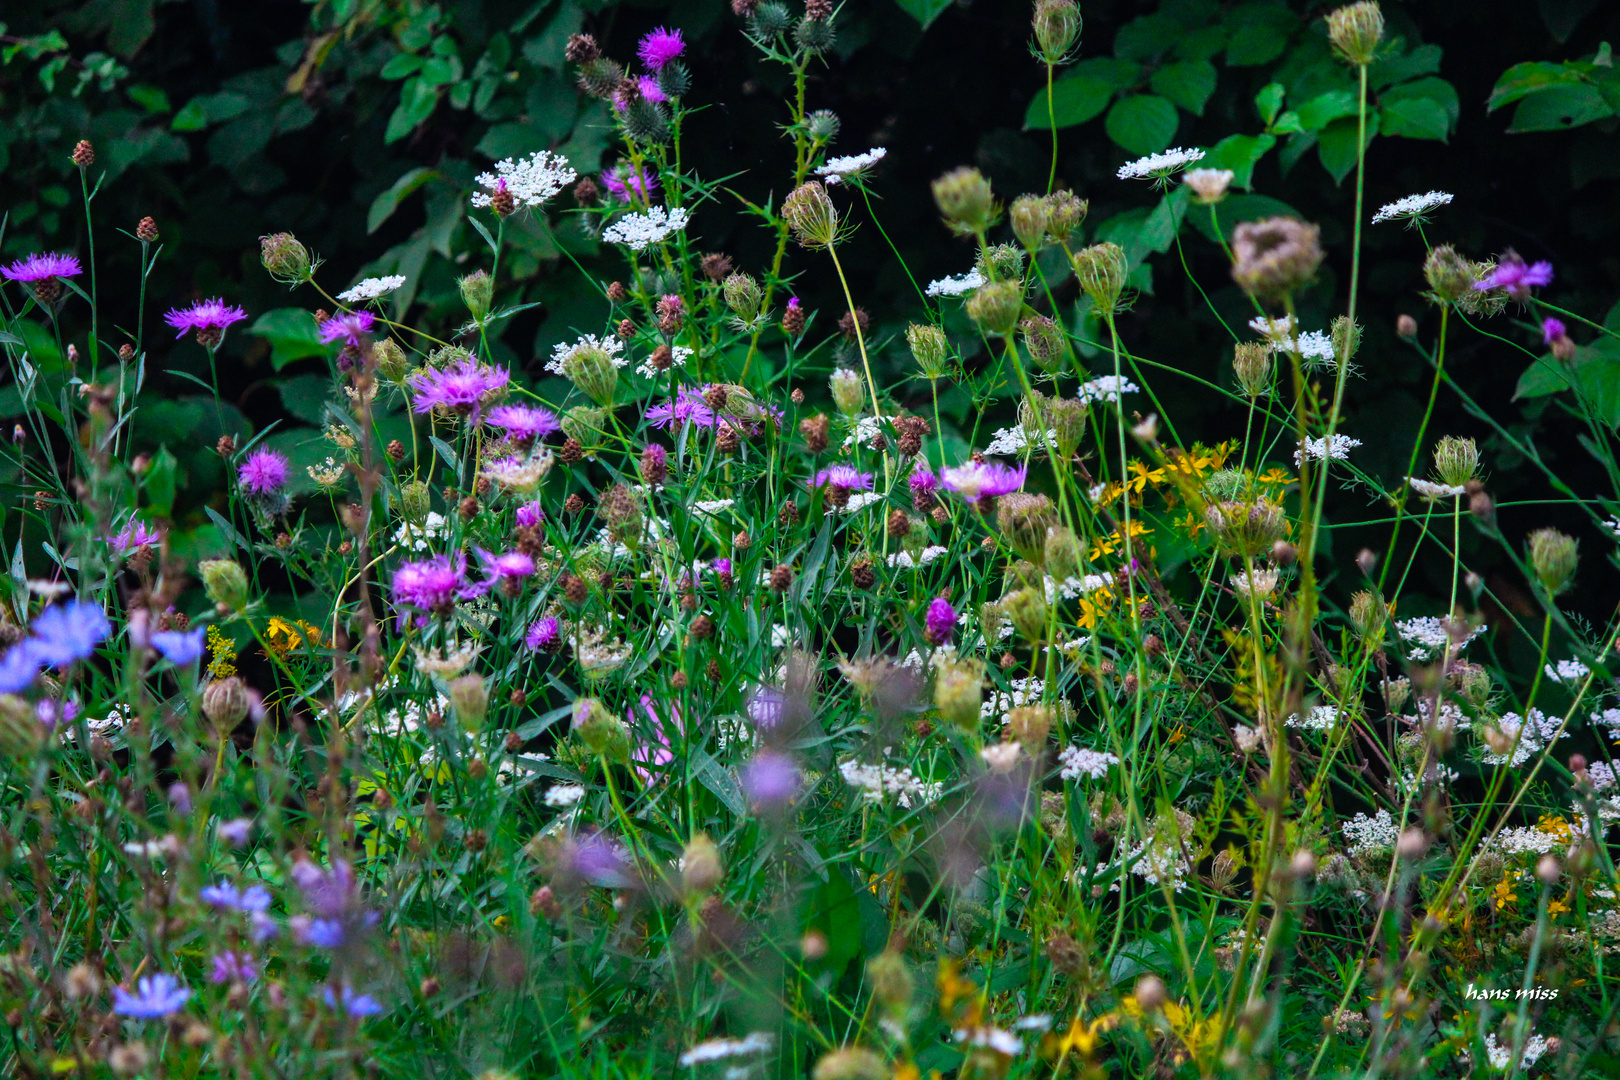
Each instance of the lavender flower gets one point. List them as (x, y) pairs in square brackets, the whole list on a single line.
[(765, 707), (975, 481), (42, 267), (227, 897), (18, 669), (321, 933), (523, 423), (940, 622), (233, 967), (264, 472), (353, 1004), (134, 535), (349, 326), (543, 633), (771, 780), (209, 318), (842, 476), (687, 408), (600, 861), (236, 832), (67, 633), (460, 388), (179, 647), (1552, 330), (156, 996), (1515, 277), (659, 47), (923, 481)]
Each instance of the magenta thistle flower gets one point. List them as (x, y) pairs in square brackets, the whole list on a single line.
[(975, 481), (508, 566), (209, 318), (660, 47), (133, 536), (642, 185), (264, 472), (530, 515), (543, 634), (722, 570), (1552, 330), (459, 388), (650, 89), (687, 408), (349, 326), (923, 481), (940, 622), (523, 423), (434, 585), (43, 267), (842, 476), (1515, 277)]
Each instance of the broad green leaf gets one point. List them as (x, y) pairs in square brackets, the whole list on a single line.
[(1240, 153), (1083, 93), (1415, 118), (159, 482), (1146, 37), (1142, 123), (1336, 145), (417, 100), (1431, 88), (1188, 83), (1203, 43), (384, 205), (924, 11), (1260, 33), (1323, 109), (1544, 376), (402, 66), (1269, 101), (1559, 107), (305, 397), (292, 335), (207, 109), (1521, 80), (239, 141), (1392, 68)]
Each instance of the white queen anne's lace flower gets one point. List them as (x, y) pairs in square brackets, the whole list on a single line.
[(1106, 388), (838, 168), (757, 1042), (956, 286), (682, 354), (1159, 165), (1321, 449), (1432, 490), (531, 180), (1079, 761), (1371, 835), (904, 559), (1413, 206), (1320, 718), (636, 231), (560, 795), (561, 352), (371, 289), (1568, 671)]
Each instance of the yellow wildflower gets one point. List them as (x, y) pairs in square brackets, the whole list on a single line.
[(1504, 893), (222, 654)]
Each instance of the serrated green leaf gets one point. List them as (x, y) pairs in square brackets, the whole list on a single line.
[(417, 101), (1240, 153), (1391, 68), (1558, 108), (1145, 37), (1323, 109), (1531, 77), (1260, 33), (384, 205), (1142, 123), (1336, 145), (1082, 94), (1269, 101), (1415, 118), (1188, 83)]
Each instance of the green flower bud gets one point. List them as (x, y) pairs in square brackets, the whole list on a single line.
[(1456, 461), (1043, 338), (771, 19), (1553, 556), (1029, 215), (1057, 28), (891, 981), (1355, 31), (591, 368), (469, 699), (822, 125), (965, 199), (224, 582), (1027, 609), (1102, 270), (285, 258), (815, 35), (646, 122), (392, 363), (1067, 416), (477, 292), (701, 868), (585, 424), (810, 213), (1024, 520), (1226, 485), (602, 733), (929, 347), (1064, 213), (1450, 276), (600, 77), (1346, 336), (225, 702), (1251, 363), (959, 692), (1369, 614), (848, 392), (415, 501), (995, 306), (1000, 261), (743, 296)]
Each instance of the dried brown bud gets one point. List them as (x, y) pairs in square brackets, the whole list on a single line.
[(717, 267), (782, 578), (573, 504), (662, 358), (586, 193), (814, 429), (1406, 327), (396, 451), (581, 49), (84, 155), (226, 446), (797, 397), (574, 588), (861, 573), (899, 525), (617, 293), (571, 452)]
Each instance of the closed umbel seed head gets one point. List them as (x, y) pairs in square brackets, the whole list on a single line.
[(1368, 614), (1057, 28), (1064, 212), (1456, 461), (995, 306), (284, 257), (1346, 336), (966, 201), (929, 347), (743, 296), (1450, 276), (1276, 256), (1246, 528), (1029, 214), (1251, 363), (810, 213), (848, 393), (1553, 556), (1044, 340), (1102, 270), (1355, 31)]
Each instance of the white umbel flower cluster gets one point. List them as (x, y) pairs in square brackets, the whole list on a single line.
[(1320, 718), (904, 560), (371, 288), (1520, 738), (1411, 207), (1106, 388), (1159, 165), (1567, 671), (636, 231), (878, 781), (1009, 441), (1429, 635), (1078, 761), (1433, 490), (955, 286), (838, 168), (682, 354), (756, 1042), (1322, 449), (531, 180), (562, 351), (561, 795), (1371, 835)]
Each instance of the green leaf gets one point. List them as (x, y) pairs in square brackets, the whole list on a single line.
[(1557, 108), (1544, 376), (924, 11), (150, 98), (1522, 80), (1236, 210), (417, 100), (1432, 89), (1415, 118), (1240, 153), (305, 397), (1269, 101), (1083, 93), (1336, 145), (159, 482), (1188, 84), (1392, 68), (384, 205), (1323, 109), (1260, 33), (1142, 123), (292, 335), (1146, 37), (207, 109), (402, 66)]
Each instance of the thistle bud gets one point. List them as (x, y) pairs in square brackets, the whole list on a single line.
[(602, 733), (814, 35), (743, 296), (1208, 186), (810, 213), (1553, 556), (1064, 212), (1102, 270), (847, 392), (1368, 614), (1450, 276), (1027, 609), (84, 155), (226, 702), (1057, 27), (966, 201), (415, 501), (959, 692), (1346, 336), (995, 306), (469, 698), (146, 230), (822, 125), (1024, 520), (591, 368), (769, 20), (1029, 214), (1456, 461), (1043, 338), (390, 359), (1276, 256), (701, 868), (1251, 363), (1355, 31), (224, 582), (285, 258), (929, 348), (1245, 528), (477, 292), (654, 464)]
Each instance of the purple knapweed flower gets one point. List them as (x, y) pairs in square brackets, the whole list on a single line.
[(179, 647), (507, 566), (1552, 330), (722, 570), (265, 472), (209, 318), (523, 423), (529, 515), (321, 933), (133, 536), (233, 967), (459, 388), (660, 47), (349, 326), (52, 714), (179, 797), (543, 633), (227, 897), (642, 185), (434, 585), (940, 622), (841, 476), (67, 633), (350, 1003), (765, 707), (156, 996), (687, 408), (975, 481), (771, 780), (42, 267), (923, 481), (600, 861), (1515, 277)]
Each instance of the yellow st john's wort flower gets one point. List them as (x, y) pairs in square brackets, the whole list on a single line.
[(1199, 1037)]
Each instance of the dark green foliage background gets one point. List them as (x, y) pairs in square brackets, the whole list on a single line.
[(358, 125)]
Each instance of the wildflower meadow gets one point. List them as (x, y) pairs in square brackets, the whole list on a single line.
[(636, 618)]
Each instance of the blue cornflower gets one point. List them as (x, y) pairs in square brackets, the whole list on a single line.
[(179, 647), (68, 633), (323, 933), (157, 997), (18, 669), (254, 898), (354, 1004)]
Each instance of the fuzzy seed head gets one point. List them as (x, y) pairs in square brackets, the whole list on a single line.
[(1029, 215), (996, 306), (1355, 31), (1102, 270), (1553, 556), (1456, 461), (966, 201), (1057, 28), (1274, 257), (1251, 363), (810, 213)]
